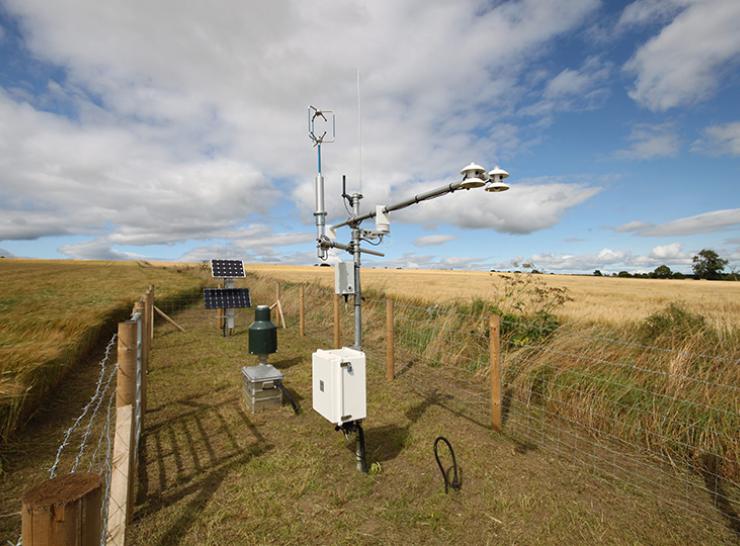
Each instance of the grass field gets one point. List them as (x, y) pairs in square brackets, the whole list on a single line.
[(52, 312), (662, 384), (667, 383), (603, 299), (212, 473)]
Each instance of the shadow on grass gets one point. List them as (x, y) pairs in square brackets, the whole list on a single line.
[(288, 363), (205, 489), (190, 454), (710, 473), (384, 443)]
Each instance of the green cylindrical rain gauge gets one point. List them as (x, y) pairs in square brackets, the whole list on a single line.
[(262, 333)]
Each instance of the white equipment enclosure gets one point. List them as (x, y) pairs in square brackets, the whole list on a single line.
[(339, 385)]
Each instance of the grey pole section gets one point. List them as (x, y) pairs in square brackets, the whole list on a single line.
[(320, 213), (426, 196), (356, 234)]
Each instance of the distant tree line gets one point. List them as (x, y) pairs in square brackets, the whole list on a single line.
[(706, 264)]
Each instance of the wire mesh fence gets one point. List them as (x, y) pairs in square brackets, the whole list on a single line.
[(660, 420), (87, 444)]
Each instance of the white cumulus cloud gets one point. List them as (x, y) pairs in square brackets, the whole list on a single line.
[(683, 63), (651, 141), (707, 222), (644, 12), (187, 118), (720, 139), (528, 206), (430, 240), (609, 259)]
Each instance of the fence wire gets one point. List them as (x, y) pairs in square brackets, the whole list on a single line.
[(99, 458), (101, 388), (649, 418), (612, 407)]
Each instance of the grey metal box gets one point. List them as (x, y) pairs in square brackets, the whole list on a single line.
[(261, 387), (344, 278)]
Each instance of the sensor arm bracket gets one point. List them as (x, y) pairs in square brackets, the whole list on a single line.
[(418, 198), (327, 243)]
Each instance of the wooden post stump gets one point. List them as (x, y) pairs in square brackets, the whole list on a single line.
[(63, 511)]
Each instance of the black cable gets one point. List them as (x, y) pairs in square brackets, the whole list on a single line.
[(360, 449), (370, 242), (456, 482), (291, 400)]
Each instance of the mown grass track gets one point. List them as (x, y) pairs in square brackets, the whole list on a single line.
[(216, 474)]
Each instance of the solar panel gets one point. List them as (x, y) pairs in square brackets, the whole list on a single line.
[(227, 269), (227, 298)]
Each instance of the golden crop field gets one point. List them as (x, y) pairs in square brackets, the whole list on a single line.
[(609, 299), (53, 311)]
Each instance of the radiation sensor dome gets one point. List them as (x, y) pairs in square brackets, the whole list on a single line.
[(496, 180), (497, 186), (497, 171), (473, 176)]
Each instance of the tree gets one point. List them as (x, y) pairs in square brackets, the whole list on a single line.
[(597, 273), (623, 274), (708, 265), (662, 272)]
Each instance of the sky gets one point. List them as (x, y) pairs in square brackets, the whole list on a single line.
[(177, 130)]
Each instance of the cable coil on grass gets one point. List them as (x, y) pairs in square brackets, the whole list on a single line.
[(456, 481)]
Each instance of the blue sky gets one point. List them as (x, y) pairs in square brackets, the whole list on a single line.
[(176, 130)]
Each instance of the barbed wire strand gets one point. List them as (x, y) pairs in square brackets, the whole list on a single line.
[(104, 432), (85, 409), (91, 421)]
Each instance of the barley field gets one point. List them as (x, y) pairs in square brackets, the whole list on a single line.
[(602, 299), (633, 383), (52, 312)]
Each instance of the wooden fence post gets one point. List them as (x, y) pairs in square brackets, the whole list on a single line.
[(142, 307), (150, 310), (495, 363), (63, 511), (120, 500), (126, 378), (337, 330), (390, 364), (150, 343), (302, 311), (126, 397)]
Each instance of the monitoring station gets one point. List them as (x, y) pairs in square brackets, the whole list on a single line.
[(339, 390), (263, 382), (228, 298)]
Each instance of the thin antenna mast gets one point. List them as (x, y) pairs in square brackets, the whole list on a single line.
[(327, 117), (359, 125)]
